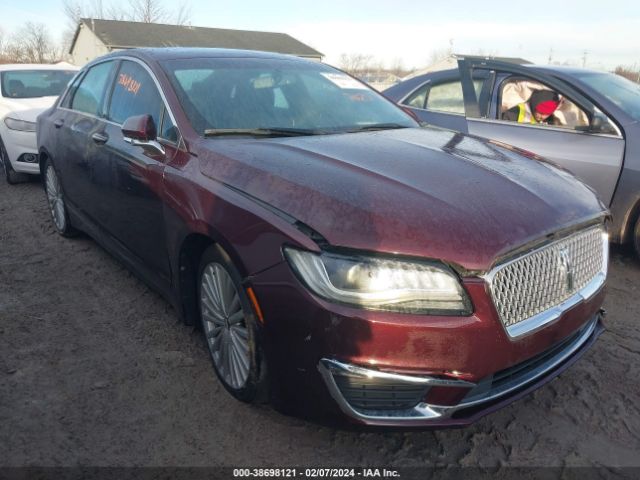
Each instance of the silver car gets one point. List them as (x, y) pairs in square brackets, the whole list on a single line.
[(595, 135)]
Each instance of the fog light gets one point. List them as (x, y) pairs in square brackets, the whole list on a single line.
[(28, 158)]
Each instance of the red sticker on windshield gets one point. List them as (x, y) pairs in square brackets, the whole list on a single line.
[(129, 84)]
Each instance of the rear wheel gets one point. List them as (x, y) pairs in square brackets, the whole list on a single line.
[(230, 328), (10, 174), (55, 199), (636, 237)]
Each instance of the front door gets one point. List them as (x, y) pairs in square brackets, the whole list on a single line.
[(593, 155), (136, 190)]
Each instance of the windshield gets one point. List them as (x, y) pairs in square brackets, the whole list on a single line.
[(34, 83), (223, 96), (624, 93)]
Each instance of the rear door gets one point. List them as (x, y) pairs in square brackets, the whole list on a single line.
[(594, 156), (80, 127)]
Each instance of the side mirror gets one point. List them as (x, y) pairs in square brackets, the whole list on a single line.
[(599, 124), (141, 131)]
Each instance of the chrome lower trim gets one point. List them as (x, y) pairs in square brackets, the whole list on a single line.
[(329, 367)]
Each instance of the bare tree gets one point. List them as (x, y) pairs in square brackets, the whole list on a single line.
[(183, 14), (355, 62), (148, 11), (629, 72), (397, 67), (75, 10), (2, 47), (31, 44)]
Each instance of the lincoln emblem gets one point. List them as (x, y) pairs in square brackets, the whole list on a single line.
[(567, 269)]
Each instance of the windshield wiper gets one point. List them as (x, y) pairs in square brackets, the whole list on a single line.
[(261, 132), (377, 126)]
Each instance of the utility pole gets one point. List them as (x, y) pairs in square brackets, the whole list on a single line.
[(584, 58), (550, 60)]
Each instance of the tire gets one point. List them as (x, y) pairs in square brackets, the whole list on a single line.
[(55, 201), (230, 328), (636, 237), (10, 174)]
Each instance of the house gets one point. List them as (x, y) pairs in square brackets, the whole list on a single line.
[(95, 37)]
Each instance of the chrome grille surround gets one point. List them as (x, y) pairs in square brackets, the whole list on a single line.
[(539, 286)]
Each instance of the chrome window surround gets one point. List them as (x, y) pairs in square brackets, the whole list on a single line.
[(428, 412), (110, 86), (519, 327)]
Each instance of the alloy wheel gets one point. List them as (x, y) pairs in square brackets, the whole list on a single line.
[(224, 325), (55, 199)]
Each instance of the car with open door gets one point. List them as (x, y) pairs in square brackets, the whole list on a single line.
[(595, 135), (334, 252)]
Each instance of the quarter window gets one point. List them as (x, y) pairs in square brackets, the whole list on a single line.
[(89, 95), (168, 131), (417, 98), (134, 93)]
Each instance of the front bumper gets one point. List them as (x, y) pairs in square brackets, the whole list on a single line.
[(308, 340), (365, 391), (19, 145)]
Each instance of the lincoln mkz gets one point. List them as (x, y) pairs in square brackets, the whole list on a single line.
[(331, 248)]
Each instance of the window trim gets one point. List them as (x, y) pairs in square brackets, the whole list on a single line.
[(112, 80), (71, 88), (428, 92), (545, 128), (84, 76), (500, 84), (404, 99)]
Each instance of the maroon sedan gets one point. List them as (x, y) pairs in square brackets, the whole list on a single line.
[(331, 248)]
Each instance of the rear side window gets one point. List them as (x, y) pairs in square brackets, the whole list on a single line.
[(134, 93), (446, 97), (417, 98), (89, 95)]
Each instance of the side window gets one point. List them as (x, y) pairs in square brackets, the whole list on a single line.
[(168, 130), (517, 91), (417, 98), (66, 101), (448, 97), (89, 95), (134, 93)]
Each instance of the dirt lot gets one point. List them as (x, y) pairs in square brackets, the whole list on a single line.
[(95, 369)]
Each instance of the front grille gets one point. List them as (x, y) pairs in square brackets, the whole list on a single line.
[(377, 394), (548, 276)]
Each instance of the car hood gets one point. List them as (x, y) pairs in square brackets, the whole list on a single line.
[(27, 109), (425, 192)]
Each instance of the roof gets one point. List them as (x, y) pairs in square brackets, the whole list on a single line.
[(36, 66), (119, 34), (173, 53)]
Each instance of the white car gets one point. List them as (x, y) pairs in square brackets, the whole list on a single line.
[(26, 91)]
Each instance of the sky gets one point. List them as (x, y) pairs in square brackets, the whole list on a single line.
[(410, 30)]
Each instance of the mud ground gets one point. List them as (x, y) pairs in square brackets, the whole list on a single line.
[(95, 369)]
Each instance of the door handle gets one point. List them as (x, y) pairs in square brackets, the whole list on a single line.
[(58, 123), (100, 138)]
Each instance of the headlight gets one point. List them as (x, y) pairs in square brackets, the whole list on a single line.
[(15, 124), (381, 283)]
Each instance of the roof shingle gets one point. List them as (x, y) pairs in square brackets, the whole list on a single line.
[(120, 34)]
